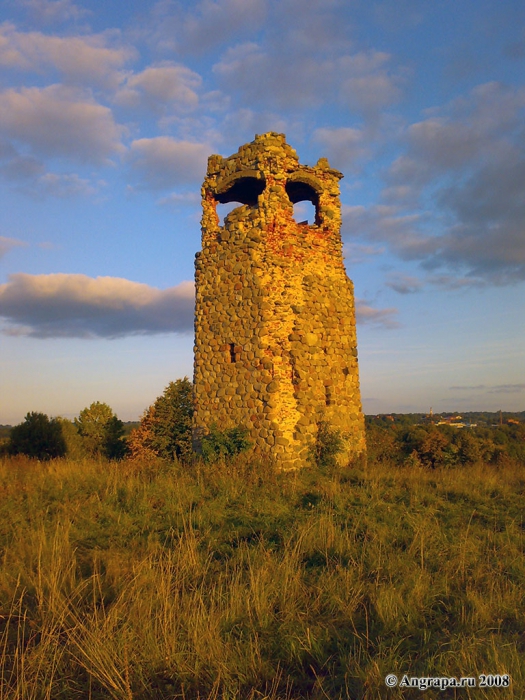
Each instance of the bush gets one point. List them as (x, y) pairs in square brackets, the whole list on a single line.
[(38, 436), (329, 444), (224, 443)]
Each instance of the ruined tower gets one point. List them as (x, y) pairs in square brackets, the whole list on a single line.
[(275, 339)]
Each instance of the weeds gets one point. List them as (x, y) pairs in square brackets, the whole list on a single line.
[(147, 579)]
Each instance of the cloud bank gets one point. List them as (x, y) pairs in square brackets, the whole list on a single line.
[(78, 306), (497, 389), (162, 85), (365, 313), (61, 121), (79, 59), (164, 162), (455, 198)]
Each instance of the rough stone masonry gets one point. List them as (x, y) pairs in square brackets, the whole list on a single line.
[(275, 339)]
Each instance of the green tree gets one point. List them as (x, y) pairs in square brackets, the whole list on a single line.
[(430, 445), (383, 444), (38, 436), (75, 448), (101, 431), (165, 427), (469, 451), (433, 450)]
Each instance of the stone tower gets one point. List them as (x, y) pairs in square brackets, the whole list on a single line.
[(275, 339)]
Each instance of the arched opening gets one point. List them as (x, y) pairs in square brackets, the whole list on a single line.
[(243, 190), (305, 200), (224, 209), (304, 212)]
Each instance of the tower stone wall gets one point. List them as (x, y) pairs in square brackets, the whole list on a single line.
[(275, 339)]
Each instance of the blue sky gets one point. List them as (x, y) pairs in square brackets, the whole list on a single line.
[(109, 110)]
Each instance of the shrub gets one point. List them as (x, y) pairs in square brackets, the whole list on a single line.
[(329, 444), (38, 436), (224, 443)]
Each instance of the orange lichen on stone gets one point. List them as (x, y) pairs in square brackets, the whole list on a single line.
[(275, 339)]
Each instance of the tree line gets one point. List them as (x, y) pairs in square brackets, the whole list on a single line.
[(434, 446), (165, 432)]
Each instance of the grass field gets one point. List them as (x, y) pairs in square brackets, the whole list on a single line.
[(152, 580)]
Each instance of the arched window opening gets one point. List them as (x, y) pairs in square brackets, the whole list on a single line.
[(244, 190), (305, 200), (224, 209), (304, 213)]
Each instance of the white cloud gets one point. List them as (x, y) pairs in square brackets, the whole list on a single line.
[(242, 124), (48, 11), (443, 144), (22, 168), (400, 194), (478, 387), (357, 253), (64, 185), (176, 199), (260, 75), (161, 85), (343, 146), (404, 284), (313, 24), (79, 59), (6, 244), (465, 165), (164, 162), (489, 233), (467, 133), (365, 313), (283, 73), (30, 176), (214, 22), (208, 24), (388, 224), (456, 282), (77, 306), (368, 83), (60, 121), (507, 389), (497, 389)]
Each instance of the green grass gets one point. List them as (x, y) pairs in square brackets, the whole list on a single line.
[(152, 580)]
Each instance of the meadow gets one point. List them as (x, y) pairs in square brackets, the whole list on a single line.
[(145, 579)]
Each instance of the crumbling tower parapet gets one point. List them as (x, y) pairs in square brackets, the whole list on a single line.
[(275, 339)]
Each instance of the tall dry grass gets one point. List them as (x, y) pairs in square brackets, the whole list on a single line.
[(150, 580)]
